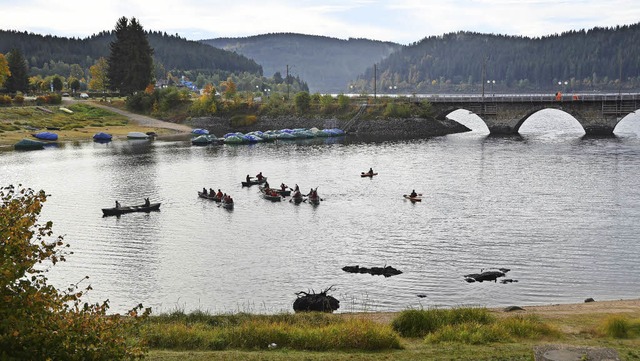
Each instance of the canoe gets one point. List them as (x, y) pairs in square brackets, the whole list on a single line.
[(279, 191), (46, 136), (363, 174), (130, 209), (413, 199), (29, 144), (203, 140), (254, 182), (283, 193), (206, 196), (137, 135), (272, 198), (102, 137)]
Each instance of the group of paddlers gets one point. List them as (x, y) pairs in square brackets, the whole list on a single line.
[(296, 194), (222, 197)]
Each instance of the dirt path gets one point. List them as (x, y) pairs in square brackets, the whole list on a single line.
[(141, 120)]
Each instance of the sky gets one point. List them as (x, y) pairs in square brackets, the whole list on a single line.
[(400, 21)]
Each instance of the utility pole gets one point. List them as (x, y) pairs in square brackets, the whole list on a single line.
[(375, 82)]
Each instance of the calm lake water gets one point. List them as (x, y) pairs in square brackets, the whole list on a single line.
[(560, 210)]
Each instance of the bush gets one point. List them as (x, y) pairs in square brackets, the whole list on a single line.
[(302, 102), (38, 321), (243, 120), (18, 99), (620, 327), (418, 323), (5, 100)]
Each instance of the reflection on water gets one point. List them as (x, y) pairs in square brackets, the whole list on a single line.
[(556, 208)]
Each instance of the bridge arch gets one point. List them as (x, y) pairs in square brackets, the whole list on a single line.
[(469, 123), (538, 109)]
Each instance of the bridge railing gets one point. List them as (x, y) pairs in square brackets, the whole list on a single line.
[(533, 98)]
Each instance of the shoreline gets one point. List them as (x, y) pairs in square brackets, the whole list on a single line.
[(380, 130), (550, 311)]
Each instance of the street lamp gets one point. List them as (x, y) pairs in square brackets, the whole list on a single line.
[(492, 82)]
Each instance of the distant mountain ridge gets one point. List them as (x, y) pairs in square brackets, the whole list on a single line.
[(326, 64)]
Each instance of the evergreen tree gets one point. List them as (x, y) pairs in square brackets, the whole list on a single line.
[(19, 79), (130, 64)]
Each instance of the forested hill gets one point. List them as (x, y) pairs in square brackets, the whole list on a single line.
[(586, 60), (170, 52), (326, 64)]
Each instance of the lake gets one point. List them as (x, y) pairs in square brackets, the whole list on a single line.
[(559, 210)]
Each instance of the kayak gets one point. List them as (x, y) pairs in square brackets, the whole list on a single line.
[(413, 199), (363, 174)]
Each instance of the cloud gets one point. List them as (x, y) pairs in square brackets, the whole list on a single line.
[(402, 21)]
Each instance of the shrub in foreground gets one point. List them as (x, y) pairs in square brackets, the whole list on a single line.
[(38, 321)]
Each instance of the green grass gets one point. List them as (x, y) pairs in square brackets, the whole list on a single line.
[(312, 332), (83, 115)]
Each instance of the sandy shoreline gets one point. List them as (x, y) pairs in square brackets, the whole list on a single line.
[(629, 307)]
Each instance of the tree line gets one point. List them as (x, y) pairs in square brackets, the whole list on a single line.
[(603, 59)]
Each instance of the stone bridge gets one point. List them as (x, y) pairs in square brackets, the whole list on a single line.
[(505, 114)]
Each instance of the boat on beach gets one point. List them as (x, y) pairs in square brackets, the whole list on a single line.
[(116, 211), (29, 144), (137, 135)]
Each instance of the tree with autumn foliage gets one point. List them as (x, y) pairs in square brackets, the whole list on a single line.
[(37, 320), (99, 75), (4, 70)]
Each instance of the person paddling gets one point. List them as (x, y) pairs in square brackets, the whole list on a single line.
[(413, 194)]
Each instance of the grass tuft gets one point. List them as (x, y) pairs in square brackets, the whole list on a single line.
[(419, 323), (616, 326)]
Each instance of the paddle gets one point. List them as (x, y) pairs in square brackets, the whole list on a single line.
[(418, 195)]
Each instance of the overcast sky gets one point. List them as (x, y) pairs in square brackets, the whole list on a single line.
[(401, 21)]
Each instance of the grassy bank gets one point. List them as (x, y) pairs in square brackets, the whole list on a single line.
[(434, 334), (18, 122)]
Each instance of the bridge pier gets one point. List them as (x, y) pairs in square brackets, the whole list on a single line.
[(598, 130)]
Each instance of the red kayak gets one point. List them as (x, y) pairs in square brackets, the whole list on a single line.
[(363, 174)]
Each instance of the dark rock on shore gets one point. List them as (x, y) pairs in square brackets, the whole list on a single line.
[(377, 129), (320, 302)]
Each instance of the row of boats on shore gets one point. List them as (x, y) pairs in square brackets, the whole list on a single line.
[(203, 137), (199, 137), (44, 139)]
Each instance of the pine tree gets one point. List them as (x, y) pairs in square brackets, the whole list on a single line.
[(19, 78), (130, 64)]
